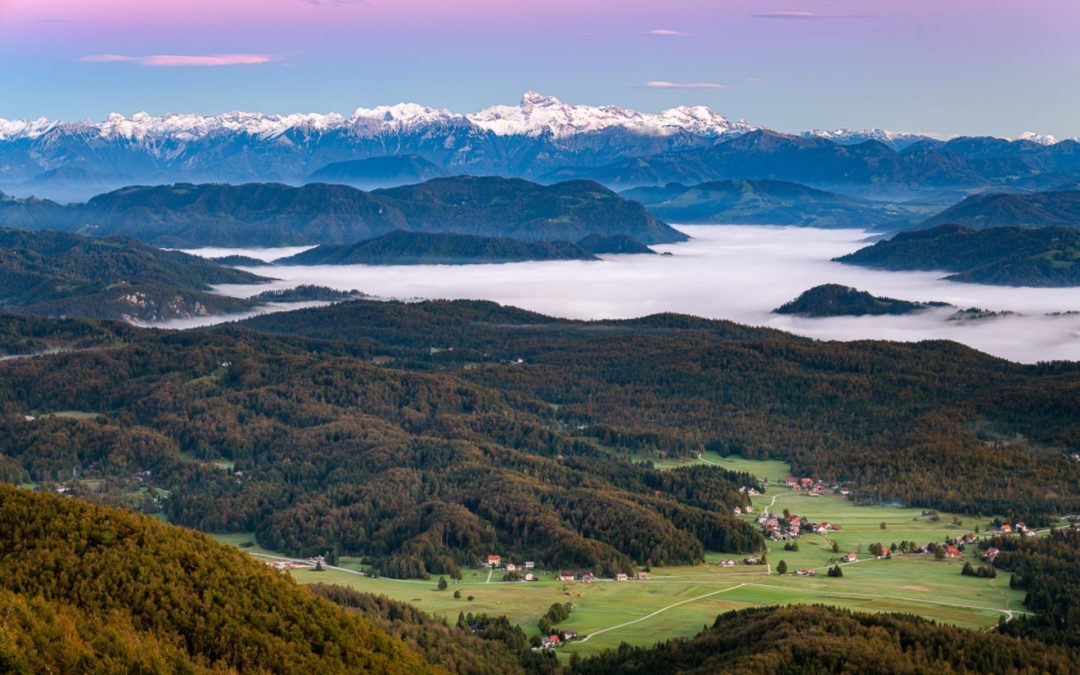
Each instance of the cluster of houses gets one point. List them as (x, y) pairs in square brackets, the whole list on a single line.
[(814, 487), (780, 528), (557, 639), (1017, 528), (588, 577), (494, 561)]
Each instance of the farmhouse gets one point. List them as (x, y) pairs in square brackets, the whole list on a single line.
[(529, 576), (530, 565), (642, 576), (990, 554), (511, 567), (727, 563), (621, 576), (850, 557), (952, 552), (564, 577), (494, 560)]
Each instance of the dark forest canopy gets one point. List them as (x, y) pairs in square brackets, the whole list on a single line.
[(271, 214), (1003, 256), (1059, 208)]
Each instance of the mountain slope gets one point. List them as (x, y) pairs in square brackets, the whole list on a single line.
[(1039, 209), (267, 214), (378, 172), (1004, 256), (87, 588), (54, 274), (765, 202), (836, 300), (422, 248)]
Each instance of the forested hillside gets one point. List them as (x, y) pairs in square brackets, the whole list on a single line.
[(805, 639), (420, 472), (59, 274), (91, 589)]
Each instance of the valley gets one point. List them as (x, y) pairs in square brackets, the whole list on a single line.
[(676, 601)]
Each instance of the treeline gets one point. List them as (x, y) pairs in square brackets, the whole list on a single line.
[(1048, 568), (476, 644), (814, 639)]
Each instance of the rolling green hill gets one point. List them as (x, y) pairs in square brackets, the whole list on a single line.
[(838, 300), (58, 274), (1004, 256), (767, 202)]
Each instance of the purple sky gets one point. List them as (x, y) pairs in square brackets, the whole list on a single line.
[(946, 66)]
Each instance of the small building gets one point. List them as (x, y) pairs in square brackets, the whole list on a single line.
[(990, 554), (952, 552), (727, 563), (750, 560), (511, 567), (564, 577), (738, 511), (494, 560), (850, 557), (530, 565), (1006, 528), (621, 576), (529, 576), (642, 576), (569, 635)]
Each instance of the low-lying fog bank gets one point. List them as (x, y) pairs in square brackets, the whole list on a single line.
[(731, 272)]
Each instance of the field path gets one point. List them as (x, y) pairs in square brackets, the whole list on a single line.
[(659, 611)]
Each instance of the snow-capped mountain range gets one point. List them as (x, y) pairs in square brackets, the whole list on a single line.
[(539, 138), (535, 115)]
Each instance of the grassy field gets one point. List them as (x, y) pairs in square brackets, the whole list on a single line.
[(678, 601)]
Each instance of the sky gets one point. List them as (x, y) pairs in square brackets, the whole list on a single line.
[(999, 67)]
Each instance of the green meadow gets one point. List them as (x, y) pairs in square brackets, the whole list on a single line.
[(678, 601)]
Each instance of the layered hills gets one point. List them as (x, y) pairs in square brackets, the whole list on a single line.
[(767, 202), (188, 216), (1004, 256)]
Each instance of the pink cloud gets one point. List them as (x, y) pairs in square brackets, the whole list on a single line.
[(661, 84), (667, 32), (180, 60)]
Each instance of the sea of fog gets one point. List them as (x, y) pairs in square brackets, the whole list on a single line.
[(725, 271)]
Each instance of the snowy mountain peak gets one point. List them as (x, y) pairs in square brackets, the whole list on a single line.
[(895, 139), (1041, 139)]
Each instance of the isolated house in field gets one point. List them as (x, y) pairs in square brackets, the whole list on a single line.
[(621, 577), (850, 557), (727, 563), (565, 577), (569, 635), (494, 560), (530, 576), (642, 576)]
